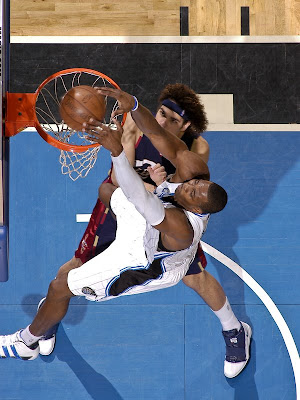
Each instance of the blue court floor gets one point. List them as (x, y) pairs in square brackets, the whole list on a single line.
[(166, 344)]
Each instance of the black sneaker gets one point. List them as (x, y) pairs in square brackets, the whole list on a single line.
[(237, 350)]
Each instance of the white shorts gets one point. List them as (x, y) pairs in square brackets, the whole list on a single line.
[(95, 278)]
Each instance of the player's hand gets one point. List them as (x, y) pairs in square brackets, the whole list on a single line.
[(100, 133), (157, 174), (126, 102)]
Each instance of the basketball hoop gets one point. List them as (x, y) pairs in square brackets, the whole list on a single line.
[(41, 110)]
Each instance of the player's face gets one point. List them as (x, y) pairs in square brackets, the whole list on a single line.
[(192, 194), (170, 121)]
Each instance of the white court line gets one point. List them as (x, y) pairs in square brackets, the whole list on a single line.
[(83, 217), (268, 302)]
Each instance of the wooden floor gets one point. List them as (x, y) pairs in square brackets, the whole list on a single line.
[(151, 17)]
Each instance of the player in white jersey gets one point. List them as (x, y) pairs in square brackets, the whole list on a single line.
[(136, 262)]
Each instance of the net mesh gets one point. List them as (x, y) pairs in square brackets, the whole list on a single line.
[(75, 163), (78, 164)]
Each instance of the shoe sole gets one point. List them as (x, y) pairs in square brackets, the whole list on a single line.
[(29, 358)]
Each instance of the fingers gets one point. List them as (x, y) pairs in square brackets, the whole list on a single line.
[(157, 174), (112, 92), (118, 125), (157, 167), (95, 133), (117, 112), (94, 125), (91, 124), (158, 170), (125, 100), (98, 132), (91, 128), (96, 137)]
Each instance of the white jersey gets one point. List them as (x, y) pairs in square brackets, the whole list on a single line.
[(133, 263)]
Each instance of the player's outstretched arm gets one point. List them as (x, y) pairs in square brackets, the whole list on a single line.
[(188, 165), (165, 142)]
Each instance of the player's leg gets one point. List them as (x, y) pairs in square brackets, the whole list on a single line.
[(90, 245), (206, 286), (24, 344), (47, 342), (57, 300), (236, 334)]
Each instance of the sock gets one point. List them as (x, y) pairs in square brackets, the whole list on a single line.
[(28, 337), (227, 318)]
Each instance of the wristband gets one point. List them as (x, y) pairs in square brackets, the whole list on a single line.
[(136, 104)]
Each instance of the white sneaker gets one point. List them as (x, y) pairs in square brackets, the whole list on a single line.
[(14, 346), (47, 345), (47, 342), (237, 350)]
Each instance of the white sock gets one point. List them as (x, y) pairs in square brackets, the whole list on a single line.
[(28, 337), (227, 318)]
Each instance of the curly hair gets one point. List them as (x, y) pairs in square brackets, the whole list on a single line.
[(188, 100)]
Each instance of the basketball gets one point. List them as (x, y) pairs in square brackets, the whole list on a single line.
[(80, 104)]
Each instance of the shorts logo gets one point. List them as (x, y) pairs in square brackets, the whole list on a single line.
[(88, 291), (84, 245)]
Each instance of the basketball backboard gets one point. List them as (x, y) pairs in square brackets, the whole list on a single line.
[(4, 142)]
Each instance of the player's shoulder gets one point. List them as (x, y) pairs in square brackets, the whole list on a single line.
[(200, 146), (201, 141)]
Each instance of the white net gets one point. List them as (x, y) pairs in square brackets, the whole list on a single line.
[(78, 164), (76, 158)]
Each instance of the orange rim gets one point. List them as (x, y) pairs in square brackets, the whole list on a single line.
[(50, 139)]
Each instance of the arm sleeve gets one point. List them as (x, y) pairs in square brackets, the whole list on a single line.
[(146, 203)]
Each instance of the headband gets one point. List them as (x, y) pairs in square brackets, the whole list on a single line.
[(176, 108)]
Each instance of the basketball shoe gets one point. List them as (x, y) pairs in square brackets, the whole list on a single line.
[(237, 350), (14, 346), (47, 343)]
